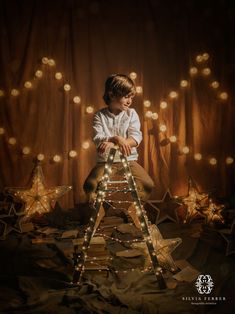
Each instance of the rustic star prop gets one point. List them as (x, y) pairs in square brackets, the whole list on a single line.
[(213, 213), (38, 198), (8, 201), (162, 247), (194, 201), (228, 235), (166, 208)]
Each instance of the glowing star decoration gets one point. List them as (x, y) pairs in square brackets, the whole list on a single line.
[(194, 201), (166, 208), (162, 248), (38, 198), (213, 213)]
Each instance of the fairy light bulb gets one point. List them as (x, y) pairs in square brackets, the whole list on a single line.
[(28, 84), (76, 99), (26, 150), (51, 62), (163, 104), (223, 96), (89, 109), (133, 75), (38, 73), (148, 114), (197, 156), (206, 71), (173, 94), (45, 60), (12, 140), (139, 89), (56, 158), (67, 87), (213, 161), (193, 71), (162, 128), (40, 157), (199, 58), (154, 116), (215, 84), (183, 83), (185, 149), (147, 103), (58, 75), (173, 139), (72, 153), (15, 92), (85, 145), (2, 93), (2, 131), (229, 160)]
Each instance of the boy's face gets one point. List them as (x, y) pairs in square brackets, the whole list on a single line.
[(119, 104)]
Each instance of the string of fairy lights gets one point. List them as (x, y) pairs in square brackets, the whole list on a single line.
[(200, 68)]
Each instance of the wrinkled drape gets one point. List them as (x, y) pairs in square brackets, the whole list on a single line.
[(89, 40)]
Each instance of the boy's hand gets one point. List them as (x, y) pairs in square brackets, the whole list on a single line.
[(104, 147), (125, 148)]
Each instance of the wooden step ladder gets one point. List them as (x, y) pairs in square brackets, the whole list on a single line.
[(79, 256)]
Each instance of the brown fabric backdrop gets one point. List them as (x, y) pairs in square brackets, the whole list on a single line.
[(89, 40)]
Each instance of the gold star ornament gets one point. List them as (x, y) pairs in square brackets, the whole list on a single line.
[(38, 198)]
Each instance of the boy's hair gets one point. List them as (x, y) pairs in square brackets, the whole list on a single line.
[(118, 85)]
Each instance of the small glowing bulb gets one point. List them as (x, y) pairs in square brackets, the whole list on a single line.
[(40, 157), (51, 62), (147, 103), (193, 71), (139, 89), (206, 71), (185, 150), (26, 150), (148, 114), (12, 140), (72, 153), (56, 158), (45, 60), (154, 116), (183, 83), (85, 145), (162, 128), (199, 58), (205, 56), (197, 156), (15, 92), (133, 75), (27, 84), (76, 99), (213, 161), (89, 109), (1, 93), (163, 104), (173, 139), (229, 160), (67, 87), (38, 73), (173, 94), (58, 75), (223, 96), (214, 84), (2, 131)]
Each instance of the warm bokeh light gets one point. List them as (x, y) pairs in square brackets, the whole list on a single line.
[(40, 157), (193, 71), (183, 83), (133, 75), (139, 89), (76, 99), (85, 145), (45, 60), (173, 94), (147, 103), (148, 114), (38, 73), (15, 92), (72, 153), (51, 62), (199, 58), (154, 116), (28, 84), (12, 140), (206, 71), (213, 161), (2, 131), (214, 84), (57, 158), (223, 96), (173, 139), (185, 149), (67, 87), (205, 56), (197, 156), (26, 150), (1, 93), (162, 127), (58, 75), (163, 104), (89, 109), (229, 160)]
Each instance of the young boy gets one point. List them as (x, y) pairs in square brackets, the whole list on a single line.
[(118, 124)]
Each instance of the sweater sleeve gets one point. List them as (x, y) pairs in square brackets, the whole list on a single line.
[(134, 128), (98, 130)]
